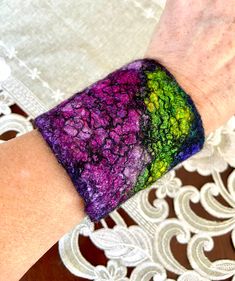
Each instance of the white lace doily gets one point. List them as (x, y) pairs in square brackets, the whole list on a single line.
[(39, 69)]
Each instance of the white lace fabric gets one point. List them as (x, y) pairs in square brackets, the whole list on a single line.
[(41, 66)]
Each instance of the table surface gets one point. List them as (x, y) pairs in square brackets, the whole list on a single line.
[(85, 41)]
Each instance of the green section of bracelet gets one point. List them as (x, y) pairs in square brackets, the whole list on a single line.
[(170, 120)]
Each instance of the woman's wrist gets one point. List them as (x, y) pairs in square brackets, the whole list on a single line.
[(44, 202), (195, 43), (206, 102), (38, 203)]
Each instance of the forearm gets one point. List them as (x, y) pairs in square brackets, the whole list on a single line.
[(38, 203), (195, 41)]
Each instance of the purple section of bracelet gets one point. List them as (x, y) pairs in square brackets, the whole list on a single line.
[(96, 136)]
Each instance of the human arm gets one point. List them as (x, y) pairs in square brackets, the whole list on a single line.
[(195, 41), (38, 202)]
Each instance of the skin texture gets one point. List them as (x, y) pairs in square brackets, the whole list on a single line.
[(195, 40), (38, 203)]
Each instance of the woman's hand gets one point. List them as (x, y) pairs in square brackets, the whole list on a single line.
[(195, 40)]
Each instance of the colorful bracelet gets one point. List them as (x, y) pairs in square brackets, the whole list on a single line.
[(122, 133)]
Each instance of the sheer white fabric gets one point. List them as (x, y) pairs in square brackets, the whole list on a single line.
[(51, 49)]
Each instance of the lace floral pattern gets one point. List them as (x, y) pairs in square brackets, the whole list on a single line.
[(147, 246), (113, 272), (218, 152)]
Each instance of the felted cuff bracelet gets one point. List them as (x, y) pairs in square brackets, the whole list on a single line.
[(122, 133)]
